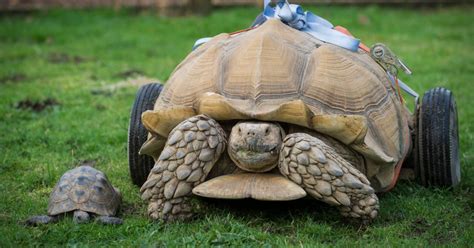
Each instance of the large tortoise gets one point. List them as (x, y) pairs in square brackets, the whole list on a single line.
[(82, 191), (276, 114)]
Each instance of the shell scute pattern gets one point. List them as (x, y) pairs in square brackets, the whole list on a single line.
[(84, 188), (258, 71)]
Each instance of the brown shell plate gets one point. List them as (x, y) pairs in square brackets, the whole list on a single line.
[(277, 73), (84, 188)]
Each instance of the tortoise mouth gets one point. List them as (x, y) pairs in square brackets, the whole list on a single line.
[(257, 155), (255, 160), (256, 149), (254, 146)]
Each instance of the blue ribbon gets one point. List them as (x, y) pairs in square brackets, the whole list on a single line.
[(294, 16)]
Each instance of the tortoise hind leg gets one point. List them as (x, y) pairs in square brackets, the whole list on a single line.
[(41, 220), (190, 152), (326, 176)]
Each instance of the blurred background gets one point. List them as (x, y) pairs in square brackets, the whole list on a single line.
[(181, 7)]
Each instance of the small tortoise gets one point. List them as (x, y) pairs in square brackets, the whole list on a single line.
[(275, 114), (83, 191)]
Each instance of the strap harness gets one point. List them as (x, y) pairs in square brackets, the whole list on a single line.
[(294, 16)]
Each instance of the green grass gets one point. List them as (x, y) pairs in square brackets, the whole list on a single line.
[(64, 55)]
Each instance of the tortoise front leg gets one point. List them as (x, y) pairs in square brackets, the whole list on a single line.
[(41, 220), (191, 150), (326, 176), (109, 220)]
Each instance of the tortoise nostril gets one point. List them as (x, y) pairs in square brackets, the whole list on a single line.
[(267, 131)]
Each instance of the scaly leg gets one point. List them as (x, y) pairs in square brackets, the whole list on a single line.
[(109, 220), (191, 150), (41, 220), (326, 176)]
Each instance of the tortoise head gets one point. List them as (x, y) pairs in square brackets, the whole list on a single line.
[(255, 145)]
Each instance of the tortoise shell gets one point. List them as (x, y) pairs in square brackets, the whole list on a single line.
[(84, 188), (277, 73)]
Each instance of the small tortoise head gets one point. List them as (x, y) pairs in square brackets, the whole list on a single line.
[(255, 145)]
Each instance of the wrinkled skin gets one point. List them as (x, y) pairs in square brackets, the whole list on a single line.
[(255, 146), (197, 143)]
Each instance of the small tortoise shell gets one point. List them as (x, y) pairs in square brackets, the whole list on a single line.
[(84, 188)]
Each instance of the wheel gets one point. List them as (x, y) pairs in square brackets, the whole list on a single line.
[(140, 165), (437, 140)]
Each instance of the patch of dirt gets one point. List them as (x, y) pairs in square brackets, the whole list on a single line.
[(42, 39), (100, 107), (14, 78), (363, 20), (110, 89), (62, 58), (130, 73), (419, 226), (128, 208), (37, 106), (448, 230)]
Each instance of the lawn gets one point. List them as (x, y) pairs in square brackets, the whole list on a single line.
[(52, 118)]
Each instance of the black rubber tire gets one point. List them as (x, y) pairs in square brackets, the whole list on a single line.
[(140, 165), (437, 148)]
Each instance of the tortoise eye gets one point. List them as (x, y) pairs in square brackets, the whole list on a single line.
[(267, 130)]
